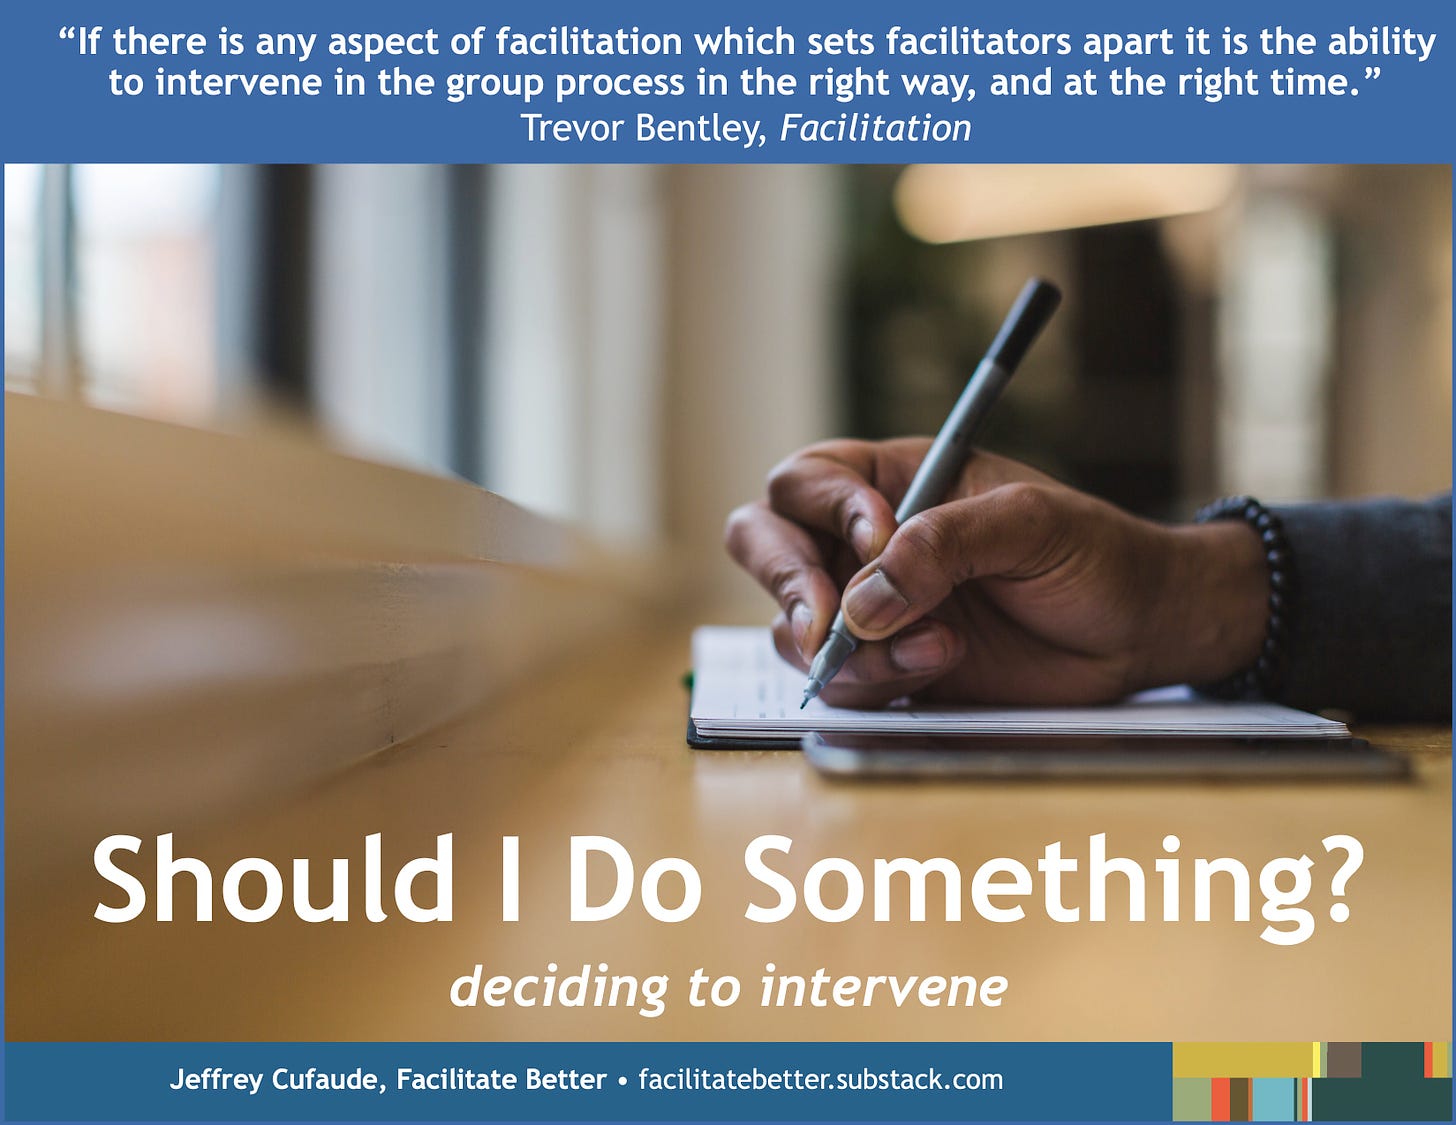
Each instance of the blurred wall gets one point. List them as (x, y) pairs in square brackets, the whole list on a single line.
[(572, 338), (1391, 405), (379, 328), (656, 339), (751, 358)]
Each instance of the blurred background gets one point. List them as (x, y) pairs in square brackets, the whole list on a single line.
[(632, 348)]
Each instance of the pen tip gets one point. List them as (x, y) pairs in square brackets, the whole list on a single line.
[(804, 704)]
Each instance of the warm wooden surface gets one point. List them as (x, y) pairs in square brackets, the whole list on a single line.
[(597, 748), (197, 622)]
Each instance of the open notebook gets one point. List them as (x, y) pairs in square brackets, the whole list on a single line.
[(743, 691)]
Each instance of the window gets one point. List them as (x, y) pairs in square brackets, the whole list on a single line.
[(111, 285)]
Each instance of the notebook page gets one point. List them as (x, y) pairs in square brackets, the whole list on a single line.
[(741, 688)]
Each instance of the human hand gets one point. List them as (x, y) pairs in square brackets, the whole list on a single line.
[(1016, 589)]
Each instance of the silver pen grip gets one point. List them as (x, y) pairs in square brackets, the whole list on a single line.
[(838, 646)]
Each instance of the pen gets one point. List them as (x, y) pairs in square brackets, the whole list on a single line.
[(952, 446)]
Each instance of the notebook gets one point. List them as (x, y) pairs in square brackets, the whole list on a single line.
[(744, 694)]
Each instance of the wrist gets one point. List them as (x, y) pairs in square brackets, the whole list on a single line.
[(1214, 604)]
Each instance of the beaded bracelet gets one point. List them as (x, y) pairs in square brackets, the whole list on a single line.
[(1262, 678)]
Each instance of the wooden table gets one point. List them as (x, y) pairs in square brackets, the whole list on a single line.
[(597, 748)]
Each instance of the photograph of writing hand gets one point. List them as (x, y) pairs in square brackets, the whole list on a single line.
[(1017, 589), (333, 555)]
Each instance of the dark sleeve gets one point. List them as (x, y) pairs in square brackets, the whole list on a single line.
[(1370, 627)]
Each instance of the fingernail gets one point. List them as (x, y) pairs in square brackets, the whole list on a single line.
[(801, 620), (862, 538), (874, 604), (919, 650)]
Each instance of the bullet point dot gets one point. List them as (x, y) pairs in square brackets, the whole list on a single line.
[(621, 1082)]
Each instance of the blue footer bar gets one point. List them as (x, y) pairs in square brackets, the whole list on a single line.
[(588, 1081)]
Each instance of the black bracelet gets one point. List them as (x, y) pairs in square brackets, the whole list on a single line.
[(1261, 679)]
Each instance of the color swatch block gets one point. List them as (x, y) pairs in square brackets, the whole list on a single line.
[(1312, 1082)]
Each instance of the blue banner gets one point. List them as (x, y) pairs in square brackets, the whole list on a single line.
[(725, 82), (589, 1081)]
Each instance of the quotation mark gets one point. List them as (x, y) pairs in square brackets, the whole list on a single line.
[(86, 38), (1372, 72)]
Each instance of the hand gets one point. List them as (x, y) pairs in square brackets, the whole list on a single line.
[(1016, 589)]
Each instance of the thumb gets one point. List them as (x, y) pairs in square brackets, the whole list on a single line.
[(1009, 532)]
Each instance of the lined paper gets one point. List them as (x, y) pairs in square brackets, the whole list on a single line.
[(743, 689)]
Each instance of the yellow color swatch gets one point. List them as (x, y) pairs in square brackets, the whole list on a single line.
[(1245, 1060)]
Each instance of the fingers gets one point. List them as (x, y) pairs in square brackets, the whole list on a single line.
[(830, 488), (881, 671), (784, 559), (848, 489), (1014, 531)]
